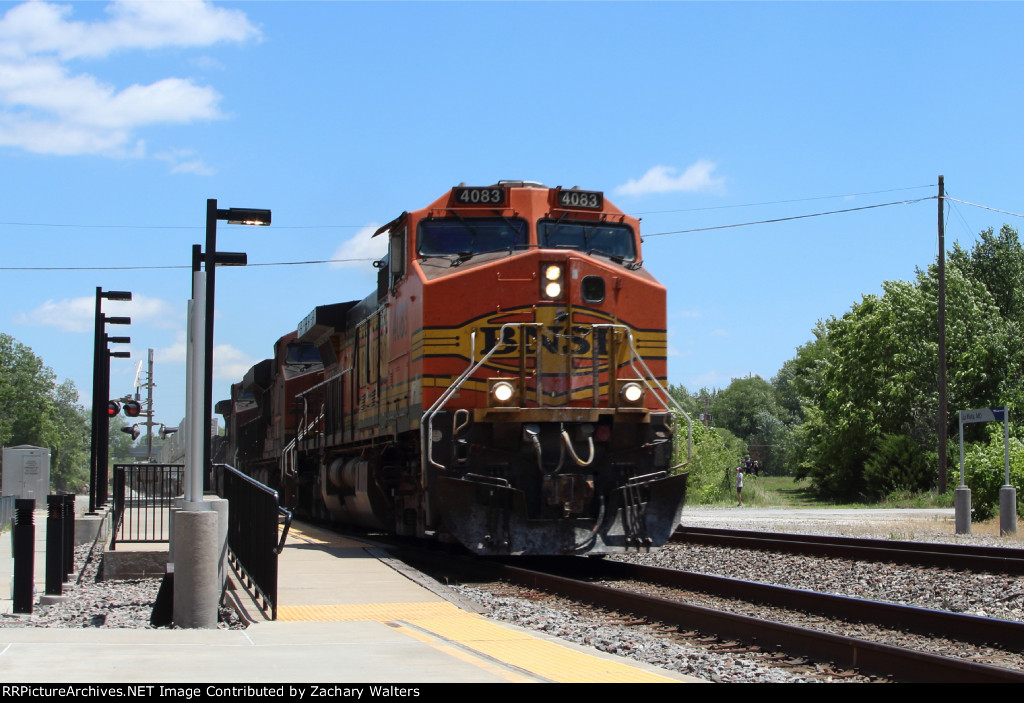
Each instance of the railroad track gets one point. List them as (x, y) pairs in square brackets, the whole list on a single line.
[(574, 579), (947, 556)]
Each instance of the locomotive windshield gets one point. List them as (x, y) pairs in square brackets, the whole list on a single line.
[(612, 240), (301, 358), (462, 237)]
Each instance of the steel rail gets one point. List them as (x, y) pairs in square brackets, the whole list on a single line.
[(871, 657), (948, 556), (925, 621)]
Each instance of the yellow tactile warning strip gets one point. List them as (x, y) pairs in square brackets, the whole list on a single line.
[(312, 535), (377, 612), (446, 625)]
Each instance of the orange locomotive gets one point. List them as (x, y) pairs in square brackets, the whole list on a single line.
[(503, 386)]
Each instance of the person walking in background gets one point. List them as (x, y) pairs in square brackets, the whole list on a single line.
[(739, 486)]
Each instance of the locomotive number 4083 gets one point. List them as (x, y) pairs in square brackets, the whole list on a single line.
[(589, 199), (480, 196)]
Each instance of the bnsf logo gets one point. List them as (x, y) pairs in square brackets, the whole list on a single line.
[(578, 340)]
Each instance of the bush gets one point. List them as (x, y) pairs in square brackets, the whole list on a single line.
[(896, 465), (710, 471), (984, 469)]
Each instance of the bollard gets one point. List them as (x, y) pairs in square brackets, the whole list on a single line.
[(69, 534), (54, 545), (24, 554)]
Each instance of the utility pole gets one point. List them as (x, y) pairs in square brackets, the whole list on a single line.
[(149, 408), (943, 401)]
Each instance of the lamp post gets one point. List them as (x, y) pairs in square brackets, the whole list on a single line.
[(100, 391), (200, 526), (211, 259)]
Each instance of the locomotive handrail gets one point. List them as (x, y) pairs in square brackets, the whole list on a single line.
[(427, 421), (659, 391)]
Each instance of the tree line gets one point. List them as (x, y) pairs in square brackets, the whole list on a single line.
[(37, 410), (855, 411)]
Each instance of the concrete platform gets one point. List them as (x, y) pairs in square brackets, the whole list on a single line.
[(347, 614)]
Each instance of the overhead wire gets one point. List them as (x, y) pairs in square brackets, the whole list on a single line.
[(783, 202), (646, 235), (790, 218)]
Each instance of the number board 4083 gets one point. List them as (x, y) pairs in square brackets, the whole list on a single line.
[(588, 199), (480, 196)]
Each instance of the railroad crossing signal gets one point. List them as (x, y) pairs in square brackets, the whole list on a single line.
[(132, 408), (134, 431)]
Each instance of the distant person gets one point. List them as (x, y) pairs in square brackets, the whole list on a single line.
[(739, 486), (756, 468)]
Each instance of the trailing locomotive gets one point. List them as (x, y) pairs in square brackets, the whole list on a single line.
[(503, 386)]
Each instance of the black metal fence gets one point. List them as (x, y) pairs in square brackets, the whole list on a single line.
[(253, 539), (143, 494)]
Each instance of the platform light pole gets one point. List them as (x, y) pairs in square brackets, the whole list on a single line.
[(200, 526), (99, 445), (211, 259)]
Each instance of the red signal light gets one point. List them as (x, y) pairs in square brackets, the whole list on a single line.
[(132, 408), (113, 408)]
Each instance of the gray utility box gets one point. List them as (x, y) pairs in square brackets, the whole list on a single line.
[(27, 472)]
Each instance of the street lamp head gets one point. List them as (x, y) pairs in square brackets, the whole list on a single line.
[(117, 295), (244, 216), (230, 258)]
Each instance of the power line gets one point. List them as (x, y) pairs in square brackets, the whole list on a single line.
[(168, 268), (792, 217), (782, 202), (339, 261), (191, 227), (985, 207)]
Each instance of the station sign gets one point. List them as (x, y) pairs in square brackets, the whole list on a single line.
[(997, 414)]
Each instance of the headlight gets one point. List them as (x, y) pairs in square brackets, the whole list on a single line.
[(551, 281), (632, 393), (502, 392)]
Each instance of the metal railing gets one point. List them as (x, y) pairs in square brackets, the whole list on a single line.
[(253, 540), (143, 495)]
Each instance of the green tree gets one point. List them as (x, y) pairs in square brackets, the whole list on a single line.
[(736, 408), (877, 377), (36, 410)]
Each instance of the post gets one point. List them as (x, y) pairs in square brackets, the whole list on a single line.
[(211, 271), (96, 402), (24, 555), (69, 534), (54, 545), (943, 400), (1007, 493)]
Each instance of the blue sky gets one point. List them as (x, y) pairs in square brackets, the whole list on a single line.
[(119, 119)]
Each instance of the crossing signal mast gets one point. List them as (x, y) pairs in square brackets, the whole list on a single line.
[(134, 407)]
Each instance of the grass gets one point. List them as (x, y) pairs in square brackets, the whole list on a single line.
[(788, 492)]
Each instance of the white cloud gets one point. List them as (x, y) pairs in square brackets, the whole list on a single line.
[(361, 248), (47, 108), (79, 314), (184, 161), (44, 28), (230, 363), (665, 179)]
